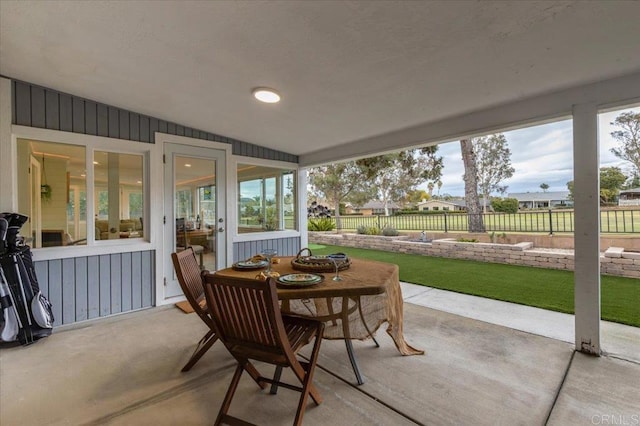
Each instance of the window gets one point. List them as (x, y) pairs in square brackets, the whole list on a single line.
[(436, 208), (266, 199), (445, 208), (119, 200), (53, 192)]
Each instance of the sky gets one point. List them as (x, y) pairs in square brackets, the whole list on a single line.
[(540, 154)]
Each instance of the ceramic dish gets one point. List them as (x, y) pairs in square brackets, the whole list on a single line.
[(299, 280), (250, 264)]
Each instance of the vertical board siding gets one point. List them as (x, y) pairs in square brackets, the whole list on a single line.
[(37, 106), (66, 113), (89, 287), (123, 119), (82, 287), (52, 110), (91, 117), (93, 287), (78, 115), (285, 247)]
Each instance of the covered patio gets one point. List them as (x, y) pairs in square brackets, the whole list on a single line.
[(167, 81), (125, 370)]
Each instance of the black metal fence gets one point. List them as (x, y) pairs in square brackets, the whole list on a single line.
[(550, 221)]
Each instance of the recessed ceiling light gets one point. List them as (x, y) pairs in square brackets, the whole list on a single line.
[(139, 181), (264, 94), (96, 163), (187, 165)]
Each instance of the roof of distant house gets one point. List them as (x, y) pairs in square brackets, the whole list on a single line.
[(459, 203), (376, 204), (540, 196)]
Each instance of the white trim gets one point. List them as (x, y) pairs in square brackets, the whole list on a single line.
[(232, 197), (161, 139), (106, 247), (587, 229), (8, 154), (267, 235), (302, 208), (98, 143)]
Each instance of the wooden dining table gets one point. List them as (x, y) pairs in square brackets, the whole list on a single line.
[(367, 296)]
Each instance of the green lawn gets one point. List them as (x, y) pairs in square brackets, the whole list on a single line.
[(542, 288)]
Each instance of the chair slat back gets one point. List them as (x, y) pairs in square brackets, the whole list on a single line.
[(246, 312), (189, 276)]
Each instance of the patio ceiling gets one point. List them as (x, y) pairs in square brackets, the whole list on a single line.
[(347, 71)]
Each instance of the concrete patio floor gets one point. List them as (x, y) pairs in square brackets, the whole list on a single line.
[(125, 370)]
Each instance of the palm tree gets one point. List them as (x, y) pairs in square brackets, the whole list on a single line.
[(544, 187)]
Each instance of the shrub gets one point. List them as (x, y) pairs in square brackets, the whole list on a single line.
[(368, 230), (322, 224), (390, 231), (467, 240), (372, 230), (504, 205)]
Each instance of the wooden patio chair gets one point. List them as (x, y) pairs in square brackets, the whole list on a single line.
[(252, 327), (191, 280)]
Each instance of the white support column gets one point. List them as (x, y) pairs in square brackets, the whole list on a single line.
[(301, 189), (587, 228), (8, 183)]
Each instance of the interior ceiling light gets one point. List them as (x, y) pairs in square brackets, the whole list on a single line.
[(264, 94), (187, 165)]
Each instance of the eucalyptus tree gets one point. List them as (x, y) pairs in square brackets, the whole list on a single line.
[(474, 212), (395, 175), (337, 182), (493, 165), (628, 136)]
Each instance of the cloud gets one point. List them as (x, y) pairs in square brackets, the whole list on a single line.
[(540, 154)]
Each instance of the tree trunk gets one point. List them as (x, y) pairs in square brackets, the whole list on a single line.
[(336, 215), (474, 210)]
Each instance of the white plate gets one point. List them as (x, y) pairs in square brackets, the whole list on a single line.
[(301, 278), (250, 264)]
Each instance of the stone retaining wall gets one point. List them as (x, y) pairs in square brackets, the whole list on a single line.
[(615, 261)]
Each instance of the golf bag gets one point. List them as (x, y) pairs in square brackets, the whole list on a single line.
[(27, 314)]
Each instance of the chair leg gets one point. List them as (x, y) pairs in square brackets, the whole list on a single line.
[(307, 382), (226, 403), (276, 378), (203, 346)]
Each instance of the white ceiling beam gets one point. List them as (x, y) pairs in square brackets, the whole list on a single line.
[(606, 94)]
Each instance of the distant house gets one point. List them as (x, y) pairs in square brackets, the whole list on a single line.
[(372, 208), (540, 200), (629, 197), (441, 205)]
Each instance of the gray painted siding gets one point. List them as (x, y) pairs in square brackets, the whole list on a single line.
[(36, 106), (84, 288), (285, 246), (96, 286)]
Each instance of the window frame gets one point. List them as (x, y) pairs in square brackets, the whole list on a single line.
[(91, 144), (232, 220)]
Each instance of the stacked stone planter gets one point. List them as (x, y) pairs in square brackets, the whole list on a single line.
[(615, 261)]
